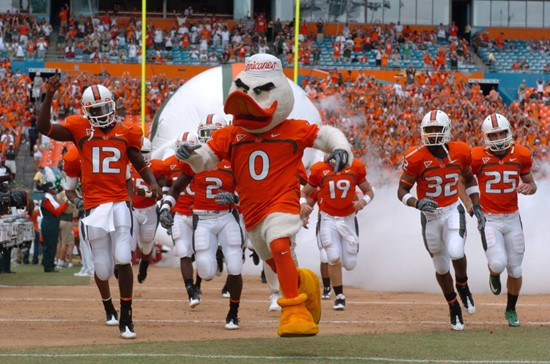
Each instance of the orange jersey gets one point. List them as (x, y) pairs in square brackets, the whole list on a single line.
[(140, 202), (208, 183), (438, 178), (499, 178), (337, 190), (173, 168), (265, 166), (71, 162), (104, 159)]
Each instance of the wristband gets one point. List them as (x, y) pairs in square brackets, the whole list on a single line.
[(471, 190), (165, 207), (303, 200), (367, 199), (406, 198), (169, 199)]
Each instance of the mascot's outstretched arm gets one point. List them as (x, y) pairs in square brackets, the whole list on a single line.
[(200, 158), (330, 139)]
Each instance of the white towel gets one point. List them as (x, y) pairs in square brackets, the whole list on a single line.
[(101, 217)]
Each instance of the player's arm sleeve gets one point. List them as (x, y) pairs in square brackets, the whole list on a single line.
[(526, 162), (314, 179), (360, 173)]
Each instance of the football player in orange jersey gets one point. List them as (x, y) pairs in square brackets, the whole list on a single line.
[(436, 168), (72, 167), (180, 205), (145, 209), (106, 147), (500, 166), (338, 229), (218, 223)]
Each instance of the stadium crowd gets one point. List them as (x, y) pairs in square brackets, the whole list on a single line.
[(23, 36)]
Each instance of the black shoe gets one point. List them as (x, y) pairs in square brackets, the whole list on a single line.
[(466, 298), (126, 326), (327, 293), (340, 302), (111, 318), (231, 322), (194, 298), (198, 289), (494, 284), (455, 312), (143, 265), (262, 277)]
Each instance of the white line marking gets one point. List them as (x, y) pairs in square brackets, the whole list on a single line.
[(267, 357), (261, 322)]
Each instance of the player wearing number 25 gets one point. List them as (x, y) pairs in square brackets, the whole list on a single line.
[(436, 168), (499, 167), (105, 147)]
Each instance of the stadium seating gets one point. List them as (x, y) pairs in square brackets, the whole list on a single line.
[(516, 50)]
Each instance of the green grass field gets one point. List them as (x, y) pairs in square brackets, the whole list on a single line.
[(33, 275), (511, 345)]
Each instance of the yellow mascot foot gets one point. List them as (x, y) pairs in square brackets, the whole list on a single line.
[(309, 284), (295, 319)]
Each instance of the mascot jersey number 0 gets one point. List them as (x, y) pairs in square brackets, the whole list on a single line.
[(265, 149)]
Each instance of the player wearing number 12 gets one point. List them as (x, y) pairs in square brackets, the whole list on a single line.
[(106, 147), (435, 168), (499, 167)]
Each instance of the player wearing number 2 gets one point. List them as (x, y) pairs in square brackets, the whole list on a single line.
[(499, 167), (338, 228), (435, 168), (106, 147)]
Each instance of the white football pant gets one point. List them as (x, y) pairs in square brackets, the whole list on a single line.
[(182, 234), (145, 226), (338, 236)]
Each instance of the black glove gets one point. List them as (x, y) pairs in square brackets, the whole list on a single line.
[(340, 158), (166, 219), (426, 205), (255, 257), (79, 204), (481, 220), (185, 150), (226, 198)]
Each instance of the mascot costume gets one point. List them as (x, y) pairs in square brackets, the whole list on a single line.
[(265, 150)]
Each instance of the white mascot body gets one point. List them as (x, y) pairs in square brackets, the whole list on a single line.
[(265, 148)]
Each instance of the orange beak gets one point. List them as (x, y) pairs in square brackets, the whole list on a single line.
[(246, 112)]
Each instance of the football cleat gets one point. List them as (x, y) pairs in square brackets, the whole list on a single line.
[(126, 326), (274, 306), (225, 291), (466, 298), (327, 293), (512, 318), (494, 284), (143, 265), (340, 302), (455, 312), (111, 318), (231, 322)]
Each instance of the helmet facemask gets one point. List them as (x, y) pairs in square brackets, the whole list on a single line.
[(431, 138), (205, 133), (101, 114), (496, 145)]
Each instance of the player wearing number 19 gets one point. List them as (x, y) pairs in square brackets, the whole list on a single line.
[(436, 167), (105, 147), (499, 167)]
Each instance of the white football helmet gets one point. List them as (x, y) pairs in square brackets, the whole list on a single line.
[(210, 123), (435, 118), (188, 137), (98, 106), (146, 149), (496, 123)]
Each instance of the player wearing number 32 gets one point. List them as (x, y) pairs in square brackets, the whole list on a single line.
[(435, 168), (499, 167), (265, 150), (106, 147)]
